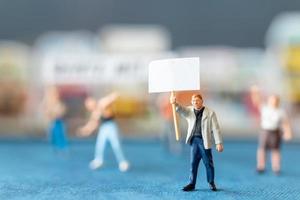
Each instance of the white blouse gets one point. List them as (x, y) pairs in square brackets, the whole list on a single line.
[(271, 118)]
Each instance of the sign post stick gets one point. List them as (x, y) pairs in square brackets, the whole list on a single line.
[(175, 119)]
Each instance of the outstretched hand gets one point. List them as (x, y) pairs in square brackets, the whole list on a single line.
[(83, 132), (87, 129)]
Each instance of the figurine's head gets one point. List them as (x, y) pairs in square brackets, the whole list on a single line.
[(197, 101), (274, 101)]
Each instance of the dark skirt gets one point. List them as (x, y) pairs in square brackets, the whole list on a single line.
[(270, 139)]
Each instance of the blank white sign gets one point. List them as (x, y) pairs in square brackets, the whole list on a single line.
[(177, 74)]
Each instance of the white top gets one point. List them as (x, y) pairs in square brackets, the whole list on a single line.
[(271, 118)]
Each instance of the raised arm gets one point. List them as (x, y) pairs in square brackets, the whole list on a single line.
[(255, 96), (108, 100), (180, 109), (91, 125)]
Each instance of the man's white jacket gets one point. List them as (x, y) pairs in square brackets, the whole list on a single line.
[(209, 125)]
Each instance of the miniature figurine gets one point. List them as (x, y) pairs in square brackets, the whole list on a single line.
[(273, 122), (202, 126), (55, 110), (102, 115)]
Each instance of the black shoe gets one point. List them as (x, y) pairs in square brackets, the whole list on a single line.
[(212, 186), (188, 187), (277, 172), (260, 171)]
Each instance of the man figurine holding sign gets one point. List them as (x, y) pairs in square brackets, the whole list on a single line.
[(202, 125), (167, 76)]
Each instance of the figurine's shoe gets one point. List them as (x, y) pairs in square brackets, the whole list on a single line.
[(212, 186), (277, 172), (123, 166), (260, 171), (189, 187), (95, 164)]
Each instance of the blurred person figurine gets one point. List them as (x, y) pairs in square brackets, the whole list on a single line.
[(167, 135), (102, 116), (55, 110), (273, 122), (202, 126)]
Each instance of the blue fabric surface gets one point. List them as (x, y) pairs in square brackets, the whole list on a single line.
[(31, 170)]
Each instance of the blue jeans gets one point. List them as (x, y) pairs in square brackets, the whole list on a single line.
[(108, 131), (198, 152)]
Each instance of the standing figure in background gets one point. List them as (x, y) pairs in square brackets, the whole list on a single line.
[(202, 127), (274, 122), (102, 116), (55, 110)]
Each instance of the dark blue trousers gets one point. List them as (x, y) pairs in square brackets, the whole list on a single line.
[(198, 152)]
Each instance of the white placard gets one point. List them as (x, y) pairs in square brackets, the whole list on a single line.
[(177, 74)]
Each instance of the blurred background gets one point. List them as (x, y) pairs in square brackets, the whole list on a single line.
[(95, 47)]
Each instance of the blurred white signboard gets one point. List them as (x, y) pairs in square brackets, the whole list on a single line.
[(95, 69)]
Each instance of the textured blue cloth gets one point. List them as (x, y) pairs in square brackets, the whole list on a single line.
[(30, 170)]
